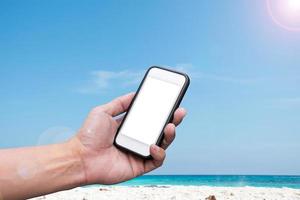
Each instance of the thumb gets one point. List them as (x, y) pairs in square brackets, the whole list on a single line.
[(118, 105)]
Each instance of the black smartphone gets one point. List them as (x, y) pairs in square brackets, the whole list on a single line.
[(152, 108)]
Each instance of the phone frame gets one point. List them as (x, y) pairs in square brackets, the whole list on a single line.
[(170, 117)]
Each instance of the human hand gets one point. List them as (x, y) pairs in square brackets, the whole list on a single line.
[(102, 161)]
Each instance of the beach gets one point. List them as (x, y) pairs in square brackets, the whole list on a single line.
[(175, 192)]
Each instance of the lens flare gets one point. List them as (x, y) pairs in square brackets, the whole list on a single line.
[(285, 13), (294, 5), (54, 135)]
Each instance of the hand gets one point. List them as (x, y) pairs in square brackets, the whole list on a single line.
[(102, 161)]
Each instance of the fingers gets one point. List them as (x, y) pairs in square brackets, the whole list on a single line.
[(177, 119), (118, 105), (178, 116), (158, 154), (169, 132), (169, 135)]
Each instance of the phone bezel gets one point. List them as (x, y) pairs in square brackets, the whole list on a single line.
[(169, 119)]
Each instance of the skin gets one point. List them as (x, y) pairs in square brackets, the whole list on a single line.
[(88, 157)]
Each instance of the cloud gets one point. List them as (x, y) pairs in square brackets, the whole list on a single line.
[(101, 80)]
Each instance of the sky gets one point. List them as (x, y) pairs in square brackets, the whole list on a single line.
[(60, 58)]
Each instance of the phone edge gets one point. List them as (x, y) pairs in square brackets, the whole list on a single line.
[(170, 117)]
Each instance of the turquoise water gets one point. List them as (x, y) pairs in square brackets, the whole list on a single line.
[(217, 180)]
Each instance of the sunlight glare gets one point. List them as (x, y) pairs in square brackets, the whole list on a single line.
[(294, 5), (285, 13)]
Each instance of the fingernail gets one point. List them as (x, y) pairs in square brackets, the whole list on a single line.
[(155, 147)]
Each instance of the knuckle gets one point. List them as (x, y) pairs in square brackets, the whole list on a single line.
[(162, 160), (97, 109), (159, 164), (163, 155), (169, 138)]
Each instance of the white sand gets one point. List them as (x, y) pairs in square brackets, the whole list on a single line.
[(176, 192)]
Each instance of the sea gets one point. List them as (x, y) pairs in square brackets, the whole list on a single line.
[(217, 180)]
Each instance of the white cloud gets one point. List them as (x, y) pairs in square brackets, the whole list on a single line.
[(102, 80)]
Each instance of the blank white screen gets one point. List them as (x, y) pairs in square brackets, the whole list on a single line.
[(150, 110)]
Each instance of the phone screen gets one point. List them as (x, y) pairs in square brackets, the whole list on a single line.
[(150, 110)]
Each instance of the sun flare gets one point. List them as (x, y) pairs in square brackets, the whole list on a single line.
[(294, 5), (285, 13)]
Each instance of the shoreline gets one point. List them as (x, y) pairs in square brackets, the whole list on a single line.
[(277, 181), (174, 192)]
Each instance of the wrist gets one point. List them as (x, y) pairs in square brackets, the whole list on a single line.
[(76, 148)]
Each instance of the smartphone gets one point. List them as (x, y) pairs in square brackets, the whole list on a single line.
[(151, 109)]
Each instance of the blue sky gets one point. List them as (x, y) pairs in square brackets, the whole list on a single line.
[(58, 59)]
